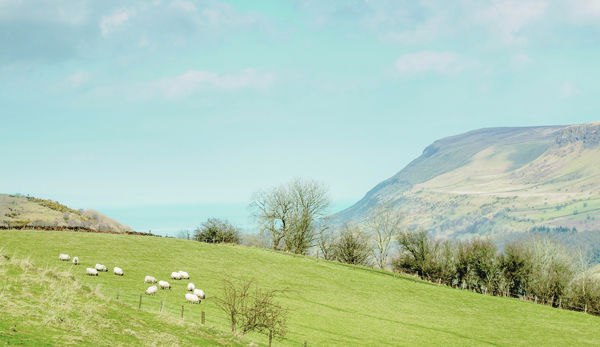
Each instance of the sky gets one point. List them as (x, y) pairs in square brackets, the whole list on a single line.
[(119, 105)]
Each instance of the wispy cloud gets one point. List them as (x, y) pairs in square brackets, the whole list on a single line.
[(111, 23), (77, 79), (505, 18), (445, 63), (568, 90)]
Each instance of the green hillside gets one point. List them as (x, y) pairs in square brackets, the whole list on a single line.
[(332, 305), (499, 180), (18, 210), (43, 307)]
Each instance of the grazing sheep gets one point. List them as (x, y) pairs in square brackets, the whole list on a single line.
[(194, 299), (75, 261), (191, 287), (151, 290), (164, 285), (199, 293), (150, 279), (184, 275), (118, 271), (64, 257), (91, 272), (101, 267), (176, 276)]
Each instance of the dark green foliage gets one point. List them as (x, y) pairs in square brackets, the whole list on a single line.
[(216, 230)]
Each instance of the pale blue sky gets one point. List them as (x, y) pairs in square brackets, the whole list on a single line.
[(108, 104)]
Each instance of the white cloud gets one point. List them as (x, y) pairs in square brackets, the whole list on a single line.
[(111, 23), (77, 79), (505, 18), (583, 12), (446, 63), (568, 90), (196, 80), (187, 6), (520, 60)]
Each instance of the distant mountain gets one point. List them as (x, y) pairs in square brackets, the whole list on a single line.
[(497, 180), (18, 210)]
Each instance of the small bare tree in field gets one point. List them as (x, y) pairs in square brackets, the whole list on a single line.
[(294, 213), (251, 308), (384, 221)]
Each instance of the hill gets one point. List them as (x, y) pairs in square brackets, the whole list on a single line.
[(499, 180), (332, 305), (18, 210), (43, 307)]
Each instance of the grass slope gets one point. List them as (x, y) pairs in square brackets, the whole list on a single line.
[(43, 307), (333, 306)]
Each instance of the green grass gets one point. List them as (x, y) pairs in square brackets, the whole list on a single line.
[(43, 307), (332, 305)]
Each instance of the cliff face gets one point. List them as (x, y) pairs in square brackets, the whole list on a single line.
[(589, 134)]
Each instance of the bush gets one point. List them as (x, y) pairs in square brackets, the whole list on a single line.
[(352, 246), (216, 230)]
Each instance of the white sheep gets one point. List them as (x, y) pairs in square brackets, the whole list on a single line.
[(75, 261), (199, 293), (91, 272), (194, 299), (101, 267), (176, 276), (64, 257), (164, 285), (151, 290), (184, 275), (118, 271), (150, 279), (191, 287)]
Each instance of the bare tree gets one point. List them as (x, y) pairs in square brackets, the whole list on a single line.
[(352, 245), (326, 243), (251, 308), (384, 221), (294, 213)]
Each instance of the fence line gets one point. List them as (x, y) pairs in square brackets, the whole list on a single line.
[(439, 282)]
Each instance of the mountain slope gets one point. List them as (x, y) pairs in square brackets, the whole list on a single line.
[(497, 180), (18, 210)]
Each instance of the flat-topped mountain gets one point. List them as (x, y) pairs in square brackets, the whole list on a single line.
[(496, 180)]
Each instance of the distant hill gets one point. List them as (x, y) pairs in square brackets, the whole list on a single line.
[(18, 210), (499, 180)]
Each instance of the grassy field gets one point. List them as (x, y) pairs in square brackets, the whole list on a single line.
[(43, 307), (332, 305)]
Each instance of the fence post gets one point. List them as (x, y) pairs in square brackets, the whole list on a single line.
[(560, 303), (372, 266), (585, 308), (317, 256), (181, 311), (117, 294), (535, 300), (439, 282), (140, 306), (203, 315)]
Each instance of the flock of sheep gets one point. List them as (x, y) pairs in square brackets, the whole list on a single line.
[(193, 297)]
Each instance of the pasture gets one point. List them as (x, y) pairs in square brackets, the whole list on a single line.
[(332, 305)]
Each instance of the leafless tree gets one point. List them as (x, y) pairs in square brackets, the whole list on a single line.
[(352, 245), (384, 222), (294, 213), (326, 243), (251, 308)]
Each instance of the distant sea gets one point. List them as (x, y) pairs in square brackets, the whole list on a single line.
[(169, 220)]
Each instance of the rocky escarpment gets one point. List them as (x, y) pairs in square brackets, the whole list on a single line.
[(588, 134)]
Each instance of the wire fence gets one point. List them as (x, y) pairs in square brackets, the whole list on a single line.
[(167, 303), (555, 303)]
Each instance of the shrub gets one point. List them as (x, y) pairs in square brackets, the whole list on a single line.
[(216, 230)]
